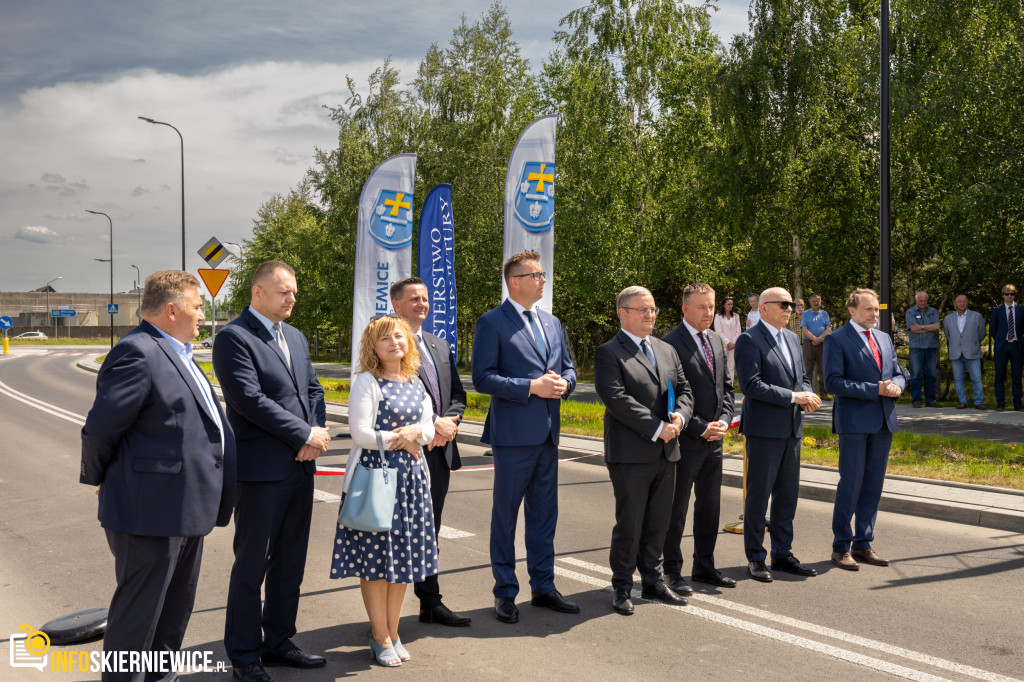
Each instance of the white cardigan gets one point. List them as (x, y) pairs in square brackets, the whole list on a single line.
[(364, 398)]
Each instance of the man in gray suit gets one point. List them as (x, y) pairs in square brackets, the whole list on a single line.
[(965, 330), (640, 380)]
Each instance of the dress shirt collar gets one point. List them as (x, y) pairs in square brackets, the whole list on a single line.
[(182, 350), (857, 328), (1009, 306), (637, 339), (521, 309), (770, 327), (692, 330), (265, 320)]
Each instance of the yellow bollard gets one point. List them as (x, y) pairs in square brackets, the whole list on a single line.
[(6, 345)]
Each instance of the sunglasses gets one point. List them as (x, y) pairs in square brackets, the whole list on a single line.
[(1009, 293), (782, 304), (383, 315)]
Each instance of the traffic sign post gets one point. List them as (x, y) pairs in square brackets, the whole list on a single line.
[(5, 324), (64, 312), (213, 279), (111, 309)]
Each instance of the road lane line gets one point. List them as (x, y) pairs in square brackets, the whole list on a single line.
[(449, 533), (950, 666), (40, 405), (324, 496), (770, 633)]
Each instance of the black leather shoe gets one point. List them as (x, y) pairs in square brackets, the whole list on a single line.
[(253, 672), (622, 603), (713, 577), (678, 584), (555, 601), (443, 615), (295, 658), (662, 592), (759, 572), (791, 565), (505, 610)]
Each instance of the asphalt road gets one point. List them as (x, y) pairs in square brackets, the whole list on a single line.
[(948, 608)]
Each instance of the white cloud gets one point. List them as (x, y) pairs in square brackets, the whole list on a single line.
[(38, 234), (249, 132)]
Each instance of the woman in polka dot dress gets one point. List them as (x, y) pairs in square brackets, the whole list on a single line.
[(388, 398)]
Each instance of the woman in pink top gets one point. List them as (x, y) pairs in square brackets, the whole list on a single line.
[(727, 324)]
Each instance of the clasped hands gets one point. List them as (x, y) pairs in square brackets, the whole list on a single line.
[(407, 438), (550, 385), (445, 430), (808, 400), (888, 389), (715, 431), (317, 444)]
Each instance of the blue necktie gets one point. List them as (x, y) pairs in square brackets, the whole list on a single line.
[(537, 338), (785, 352), (646, 347)]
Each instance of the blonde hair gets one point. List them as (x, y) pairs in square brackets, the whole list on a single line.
[(377, 329)]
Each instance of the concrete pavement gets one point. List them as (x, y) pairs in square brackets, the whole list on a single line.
[(985, 506)]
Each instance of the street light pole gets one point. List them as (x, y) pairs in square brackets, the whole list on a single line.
[(111, 222), (48, 311), (138, 288), (182, 139), (885, 322)]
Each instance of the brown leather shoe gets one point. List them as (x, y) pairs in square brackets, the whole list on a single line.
[(980, 406), (844, 561), (961, 406), (869, 556)]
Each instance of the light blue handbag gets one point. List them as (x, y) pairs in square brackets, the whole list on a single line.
[(370, 502)]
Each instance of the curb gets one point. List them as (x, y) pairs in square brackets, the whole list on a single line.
[(968, 513)]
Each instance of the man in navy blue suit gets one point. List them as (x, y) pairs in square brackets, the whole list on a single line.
[(276, 407), (776, 393), (1008, 347), (160, 448), (861, 372), (519, 359)]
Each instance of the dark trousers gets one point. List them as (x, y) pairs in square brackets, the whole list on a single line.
[(700, 470), (524, 475), (1013, 354), (643, 504), (428, 591), (862, 461), (272, 521), (773, 470), (156, 589), (813, 356)]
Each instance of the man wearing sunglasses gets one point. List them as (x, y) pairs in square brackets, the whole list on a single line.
[(776, 393), (1006, 325)]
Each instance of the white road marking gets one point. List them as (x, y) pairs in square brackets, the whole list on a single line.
[(836, 652), (324, 496), (449, 533), (40, 405)]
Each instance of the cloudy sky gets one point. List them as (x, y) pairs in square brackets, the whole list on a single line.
[(244, 81)]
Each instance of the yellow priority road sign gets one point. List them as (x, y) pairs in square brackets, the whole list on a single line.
[(214, 253), (214, 279)]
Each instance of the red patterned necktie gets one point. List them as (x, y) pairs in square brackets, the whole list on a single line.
[(708, 355), (874, 350)]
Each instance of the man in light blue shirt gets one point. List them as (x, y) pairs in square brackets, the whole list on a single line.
[(923, 330), (815, 325)]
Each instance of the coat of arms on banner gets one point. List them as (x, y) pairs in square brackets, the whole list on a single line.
[(535, 198), (391, 223)]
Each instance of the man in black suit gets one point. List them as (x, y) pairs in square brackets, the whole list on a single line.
[(776, 393), (159, 447), (1006, 327), (441, 379), (276, 407), (703, 357), (640, 381)]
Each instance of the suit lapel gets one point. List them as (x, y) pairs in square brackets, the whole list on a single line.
[(270, 340), (774, 345), (632, 349), (697, 352), (524, 331), (186, 375)]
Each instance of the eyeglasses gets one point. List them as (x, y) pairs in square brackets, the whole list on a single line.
[(537, 276), (782, 304), (643, 311), (383, 315), (1009, 293)]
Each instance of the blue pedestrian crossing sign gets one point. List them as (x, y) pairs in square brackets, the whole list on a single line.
[(112, 309)]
